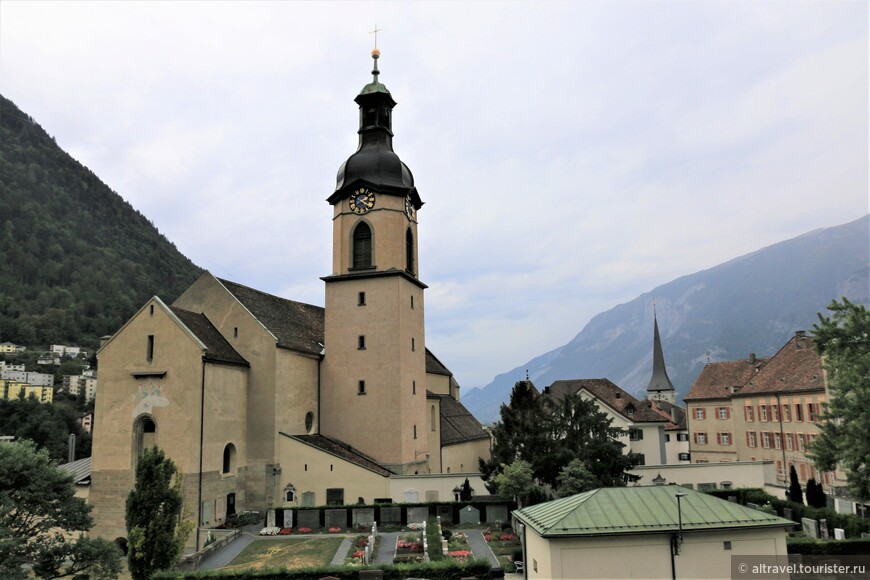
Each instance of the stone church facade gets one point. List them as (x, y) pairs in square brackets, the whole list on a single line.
[(266, 402)]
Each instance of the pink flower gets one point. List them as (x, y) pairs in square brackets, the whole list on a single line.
[(334, 530), (303, 530)]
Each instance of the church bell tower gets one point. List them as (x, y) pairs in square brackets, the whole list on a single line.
[(373, 384)]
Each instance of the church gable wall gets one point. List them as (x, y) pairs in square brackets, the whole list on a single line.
[(438, 384)]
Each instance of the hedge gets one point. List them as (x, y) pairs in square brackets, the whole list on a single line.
[(442, 570), (811, 547), (850, 523)]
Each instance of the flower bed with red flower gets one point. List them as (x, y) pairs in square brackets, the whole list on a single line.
[(303, 530), (285, 531), (334, 530)]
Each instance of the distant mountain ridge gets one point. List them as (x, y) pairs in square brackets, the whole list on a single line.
[(76, 260), (752, 303)]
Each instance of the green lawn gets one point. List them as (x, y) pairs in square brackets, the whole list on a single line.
[(287, 553)]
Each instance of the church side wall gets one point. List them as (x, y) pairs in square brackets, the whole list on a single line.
[(257, 346), (296, 392), (463, 457), (310, 470), (438, 384)]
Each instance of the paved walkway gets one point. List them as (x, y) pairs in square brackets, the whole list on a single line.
[(341, 553), (223, 556), (386, 548), (480, 547)]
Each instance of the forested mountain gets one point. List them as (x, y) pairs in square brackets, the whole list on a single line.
[(76, 260), (753, 303)]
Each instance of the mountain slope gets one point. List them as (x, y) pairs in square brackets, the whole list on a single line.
[(76, 260), (749, 304)]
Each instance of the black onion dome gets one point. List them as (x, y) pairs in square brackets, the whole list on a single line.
[(375, 164)]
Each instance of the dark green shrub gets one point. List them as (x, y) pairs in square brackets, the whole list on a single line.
[(811, 547)]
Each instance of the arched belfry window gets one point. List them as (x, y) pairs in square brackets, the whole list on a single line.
[(409, 251), (362, 246), (144, 436)]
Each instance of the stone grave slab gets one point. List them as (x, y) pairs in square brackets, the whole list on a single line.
[(788, 513), (496, 513), (810, 528), (363, 517), (469, 515), (336, 518), (839, 534), (418, 515), (308, 519), (391, 515), (446, 513)]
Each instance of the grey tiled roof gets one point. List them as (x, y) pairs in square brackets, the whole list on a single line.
[(341, 450), (80, 470), (296, 325), (609, 394), (435, 366), (458, 425), (217, 347)]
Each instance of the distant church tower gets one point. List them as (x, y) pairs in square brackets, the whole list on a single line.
[(373, 385), (660, 387)]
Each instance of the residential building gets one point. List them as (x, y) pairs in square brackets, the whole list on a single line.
[(12, 390), (761, 409), (48, 358), (10, 348), (75, 383)]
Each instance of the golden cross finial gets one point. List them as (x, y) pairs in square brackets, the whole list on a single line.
[(375, 32)]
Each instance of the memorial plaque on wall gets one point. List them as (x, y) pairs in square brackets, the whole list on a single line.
[(308, 519), (391, 515), (446, 513), (469, 515), (418, 515), (363, 517), (496, 513)]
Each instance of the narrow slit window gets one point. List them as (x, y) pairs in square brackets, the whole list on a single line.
[(361, 388), (361, 299), (149, 355), (413, 345), (361, 343)]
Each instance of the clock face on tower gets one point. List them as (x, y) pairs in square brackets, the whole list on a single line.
[(362, 200), (409, 208)]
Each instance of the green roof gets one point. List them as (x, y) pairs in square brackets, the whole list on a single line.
[(641, 509)]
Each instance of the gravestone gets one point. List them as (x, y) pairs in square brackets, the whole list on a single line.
[(823, 529), (732, 498), (391, 515), (445, 512), (865, 536), (418, 515), (336, 518), (308, 519), (810, 528), (839, 534), (288, 518), (469, 515), (270, 519), (788, 513), (363, 517), (496, 513)]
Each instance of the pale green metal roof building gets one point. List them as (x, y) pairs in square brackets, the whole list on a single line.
[(641, 510)]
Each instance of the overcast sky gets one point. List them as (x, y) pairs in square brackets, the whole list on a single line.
[(571, 155)]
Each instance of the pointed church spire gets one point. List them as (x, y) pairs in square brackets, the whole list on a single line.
[(660, 386)]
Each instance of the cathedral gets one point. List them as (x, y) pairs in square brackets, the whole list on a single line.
[(265, 402)]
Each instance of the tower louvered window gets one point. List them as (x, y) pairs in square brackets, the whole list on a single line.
[(362, 246)]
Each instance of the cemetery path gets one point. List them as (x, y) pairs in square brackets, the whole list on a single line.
[(341, 553), (386, 549), (479, 547), (222, 557)]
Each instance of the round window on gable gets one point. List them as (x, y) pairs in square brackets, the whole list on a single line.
[(309, 422)]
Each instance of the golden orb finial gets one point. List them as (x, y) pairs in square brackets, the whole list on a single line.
[(376, 53)]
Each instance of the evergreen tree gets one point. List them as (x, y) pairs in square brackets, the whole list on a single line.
[(154, 512), (37, 505), (795, 493), (548, 434), (843, 339)]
